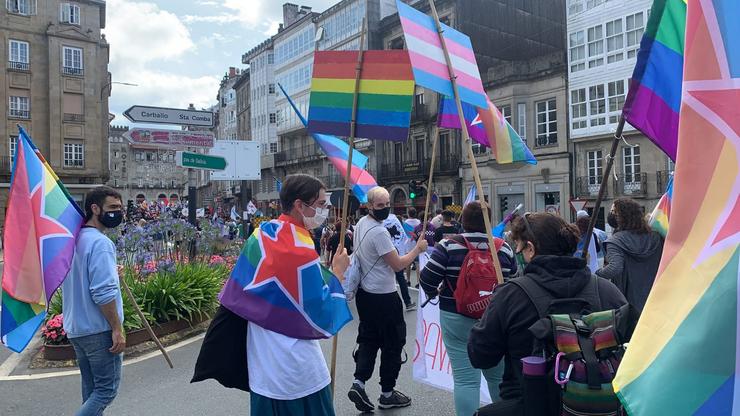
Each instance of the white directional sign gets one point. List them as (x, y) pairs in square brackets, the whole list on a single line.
[(243, 158), (162, 115)]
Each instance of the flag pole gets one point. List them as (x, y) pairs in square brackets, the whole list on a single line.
[(435, 139), (347, 179), (602, 187), (466, 139), (145, 322)]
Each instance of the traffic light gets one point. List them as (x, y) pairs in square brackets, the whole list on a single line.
[(504, 203), (413, 189)]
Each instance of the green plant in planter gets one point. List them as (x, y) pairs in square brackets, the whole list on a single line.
[(53, 331)]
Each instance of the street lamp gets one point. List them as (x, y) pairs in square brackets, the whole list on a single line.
[(102, 90)]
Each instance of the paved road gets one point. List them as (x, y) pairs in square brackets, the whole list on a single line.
[(151, 388)]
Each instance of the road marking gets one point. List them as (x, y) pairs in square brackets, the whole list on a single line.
[(12, 362), (152, 354)]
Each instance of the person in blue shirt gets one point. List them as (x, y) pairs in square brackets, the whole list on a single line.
[(91, 303)]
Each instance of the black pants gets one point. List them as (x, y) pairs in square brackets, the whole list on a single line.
[(382, 326), (513, 407), (401, 280)]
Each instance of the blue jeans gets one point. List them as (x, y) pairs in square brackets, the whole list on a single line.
[(455, 331), (100, 371)]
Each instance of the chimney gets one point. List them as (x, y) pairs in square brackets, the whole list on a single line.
[(232, 72), (305, 9), (290, 13)]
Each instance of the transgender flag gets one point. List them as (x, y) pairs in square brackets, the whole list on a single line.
[(428, 59), (41, 226)]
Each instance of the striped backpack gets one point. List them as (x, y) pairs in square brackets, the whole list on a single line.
[(582, 350)]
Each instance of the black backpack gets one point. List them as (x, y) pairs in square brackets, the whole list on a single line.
[(583, 346)]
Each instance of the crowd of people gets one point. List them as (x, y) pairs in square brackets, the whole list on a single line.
[(545, 277)]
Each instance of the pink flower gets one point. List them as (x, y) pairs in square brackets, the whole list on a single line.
[(53, 335)]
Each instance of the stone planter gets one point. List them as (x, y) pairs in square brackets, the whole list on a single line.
[(62, 352)]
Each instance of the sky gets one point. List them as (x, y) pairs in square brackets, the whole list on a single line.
[(177, 51)]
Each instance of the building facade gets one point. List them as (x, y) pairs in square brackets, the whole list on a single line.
[(603, 39), (141, 172), (243, 106), (227, 109), (56, 84)]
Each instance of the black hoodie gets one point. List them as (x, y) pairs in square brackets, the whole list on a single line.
[(503, 329)]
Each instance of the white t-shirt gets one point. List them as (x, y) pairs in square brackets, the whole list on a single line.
[(398, 234), (284, 368), (413, 222), (370, 242)]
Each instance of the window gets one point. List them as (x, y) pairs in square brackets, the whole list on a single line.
[(614, 41), (18, 58), (419, 145), (597, 106), (24, 7), (72, 61), (272, 118), (521, 111), (616, 99), (70, 13), (577, 44), (270, 59), (271, 89), (19, 107), (547, 123), (141, 182), (150, 157), (506, 112), (396, 43), (273, 147), (578, 109), (590, 4), (634, 28), (631, 158), (74, 155), (575, 6), (594, 169), (419, 99), (12, 146), (595, 46)]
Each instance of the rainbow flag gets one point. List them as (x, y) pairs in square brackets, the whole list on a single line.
[(488, 127), (684, 356), (654, 96), (661, 214), (338, 151), (386, 93), (428, 60), (41, 225), (279, 284)]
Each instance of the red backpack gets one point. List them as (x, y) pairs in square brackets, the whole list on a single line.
[(476, 280)]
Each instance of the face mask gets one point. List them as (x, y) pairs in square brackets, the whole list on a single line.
[(611, 219), (111, 219), (381, 214), (320, 215)]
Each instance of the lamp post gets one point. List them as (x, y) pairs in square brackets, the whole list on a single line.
[(102, 90)]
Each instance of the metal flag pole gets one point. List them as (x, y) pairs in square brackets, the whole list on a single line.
[(466, 139), (347, 179), (602, 187)]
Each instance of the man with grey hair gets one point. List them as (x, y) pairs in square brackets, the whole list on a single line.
[(382, 325)]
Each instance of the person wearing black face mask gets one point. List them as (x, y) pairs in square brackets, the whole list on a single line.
[(382, 325), (92, 305)]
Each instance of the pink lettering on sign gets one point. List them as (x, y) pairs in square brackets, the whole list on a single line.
[(434, 348), (171, 138)]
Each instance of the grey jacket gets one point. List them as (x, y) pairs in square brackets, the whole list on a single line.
[(632, 262)]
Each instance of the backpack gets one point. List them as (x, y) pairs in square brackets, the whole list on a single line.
[(582, 351), (476, 280)]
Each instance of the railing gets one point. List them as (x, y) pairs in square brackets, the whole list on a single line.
[(68, 70), (74, 117), (332, 181), (588, 187), (19, 113), (6, 164), (299, 154), (417, 169), (661, 180), (546, 140), (19, 66), (631, 185)]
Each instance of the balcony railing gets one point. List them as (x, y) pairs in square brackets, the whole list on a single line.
[(631, 185), (299, 154), (19, 66), (332, 181), (19, 113), (74, 117), (6, 164), (410, 169), (661, 180), (68, 70), (588, 187)]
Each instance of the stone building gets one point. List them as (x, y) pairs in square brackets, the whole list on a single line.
[(56, 84)]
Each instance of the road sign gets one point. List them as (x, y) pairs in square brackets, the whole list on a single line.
[(169, 138), (578, 204), (244, 159), (199, 161), (163, 115)]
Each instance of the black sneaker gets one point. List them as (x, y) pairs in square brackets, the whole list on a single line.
[(397, 399), (358, 396), (411, 306)]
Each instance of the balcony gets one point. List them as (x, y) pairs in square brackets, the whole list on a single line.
[(332, 181), (661, 180), (633, 185), (6, 164), (414, 169), (298, 155), (68, 70), (588, 187), (19, 66), (78, 118), (422, 112), (24, 114)]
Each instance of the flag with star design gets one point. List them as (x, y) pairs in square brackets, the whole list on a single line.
[(279, 284), (41, 226)]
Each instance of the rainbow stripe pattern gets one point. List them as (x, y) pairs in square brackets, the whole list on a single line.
[(41, 225), (488, 127), (278, 283), (661, 214), (654, 97), (386, 94), (684, 356), (428, 60), (338, 152)]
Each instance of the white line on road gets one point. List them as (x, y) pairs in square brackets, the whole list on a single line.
[(155, 353)]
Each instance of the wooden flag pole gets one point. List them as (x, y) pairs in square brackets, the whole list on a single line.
[(466, 139), (435, 139), (602, 187), (347, 179), (145, 322)]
